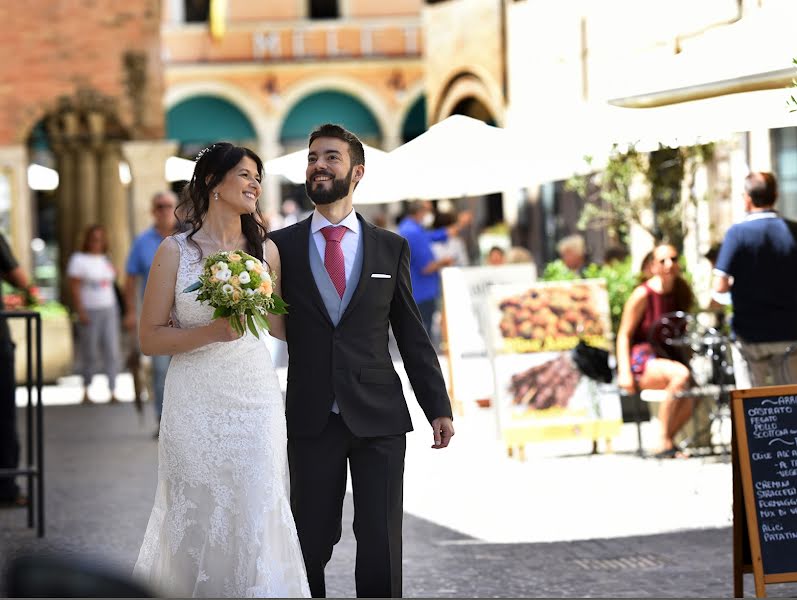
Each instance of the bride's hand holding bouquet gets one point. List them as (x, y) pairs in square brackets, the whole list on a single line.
[(240, 289)]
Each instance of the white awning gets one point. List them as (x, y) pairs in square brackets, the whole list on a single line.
[(559, 140), (179, 169), (687, 123), (42, 178)]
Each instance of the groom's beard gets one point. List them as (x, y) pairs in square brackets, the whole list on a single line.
[(339, 189)]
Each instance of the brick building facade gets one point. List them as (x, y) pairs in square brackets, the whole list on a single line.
[(82, 82)]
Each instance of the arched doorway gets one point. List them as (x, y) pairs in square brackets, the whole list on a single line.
[(415, 122), (328, 106), (491, 211), (201, 120), (473, 107), (83, 134)]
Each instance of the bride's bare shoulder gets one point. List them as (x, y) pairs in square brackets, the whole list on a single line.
[(168, 254)]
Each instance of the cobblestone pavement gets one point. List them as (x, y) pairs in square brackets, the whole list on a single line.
[(101, 470)]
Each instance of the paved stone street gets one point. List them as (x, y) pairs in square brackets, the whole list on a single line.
[(478, 524)]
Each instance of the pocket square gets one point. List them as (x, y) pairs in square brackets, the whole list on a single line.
[(380, 276)]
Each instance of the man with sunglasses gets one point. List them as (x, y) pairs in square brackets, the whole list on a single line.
[(164, 224), (757, 263)]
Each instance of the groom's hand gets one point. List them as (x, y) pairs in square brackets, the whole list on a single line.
[(443, 430)]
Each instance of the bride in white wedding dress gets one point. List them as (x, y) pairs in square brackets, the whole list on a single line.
[(221, 524)]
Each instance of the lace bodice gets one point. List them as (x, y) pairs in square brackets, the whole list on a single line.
[(187, 312)]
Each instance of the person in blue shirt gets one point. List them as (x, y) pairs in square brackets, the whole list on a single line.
[(424, 267), (139, 260), (757, 263)]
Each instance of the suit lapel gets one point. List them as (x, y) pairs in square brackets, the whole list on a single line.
[(307, 279), (368, 232)]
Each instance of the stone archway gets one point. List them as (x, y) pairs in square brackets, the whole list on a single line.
[(413, 117), (469, 95), (329, 106), (473, 107), (85, 134), (389, 126)]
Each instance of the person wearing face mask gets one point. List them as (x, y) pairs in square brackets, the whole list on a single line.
[(424, 267)]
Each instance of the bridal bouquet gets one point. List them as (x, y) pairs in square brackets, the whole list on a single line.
[(238, 286)]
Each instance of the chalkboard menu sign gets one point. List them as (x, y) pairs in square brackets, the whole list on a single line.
[(765, 421)]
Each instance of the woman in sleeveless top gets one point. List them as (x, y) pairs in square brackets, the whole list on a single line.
[(221, 524), (639, 367)]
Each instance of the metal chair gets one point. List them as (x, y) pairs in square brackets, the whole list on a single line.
[(706, 352)]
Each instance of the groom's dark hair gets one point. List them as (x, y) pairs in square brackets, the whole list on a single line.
[(356, 152)]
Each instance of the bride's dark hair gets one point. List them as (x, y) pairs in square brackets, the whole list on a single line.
[(212, 165)]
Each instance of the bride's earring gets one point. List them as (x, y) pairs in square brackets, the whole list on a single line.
[(216, 196)]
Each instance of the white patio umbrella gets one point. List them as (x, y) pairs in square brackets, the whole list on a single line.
[(179, 169), (460, 156), (373, 189)]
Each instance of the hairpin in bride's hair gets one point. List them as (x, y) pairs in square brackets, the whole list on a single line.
[(204, 151)]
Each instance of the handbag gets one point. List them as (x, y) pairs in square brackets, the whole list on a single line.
[(592, 362)]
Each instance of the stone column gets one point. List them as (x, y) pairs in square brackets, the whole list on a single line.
[(64, 198), (88, 167), (14, 167), (391, 142), (63, 132), (113, 205), (86, 189), (271, 198), (147, 160)]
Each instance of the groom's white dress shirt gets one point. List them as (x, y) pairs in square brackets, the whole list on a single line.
[(349, 242)]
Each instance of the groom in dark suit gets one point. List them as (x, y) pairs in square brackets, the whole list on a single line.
[(346, 281)]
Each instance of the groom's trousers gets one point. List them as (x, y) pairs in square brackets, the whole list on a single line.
[(318, 487)]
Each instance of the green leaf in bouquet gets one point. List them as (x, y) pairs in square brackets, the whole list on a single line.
[(252, 327), (193, 287), (280, 306), (235, 323), (262, 321), (222, 311)]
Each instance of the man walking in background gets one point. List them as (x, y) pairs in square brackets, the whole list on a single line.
[(138, 263), (758, 263), (424, 267)]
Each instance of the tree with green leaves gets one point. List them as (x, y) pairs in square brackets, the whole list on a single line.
[(610, 206)]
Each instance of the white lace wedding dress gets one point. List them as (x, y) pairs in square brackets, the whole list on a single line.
[(222, 522)]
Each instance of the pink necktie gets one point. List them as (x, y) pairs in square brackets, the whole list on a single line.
[(333, 257)]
